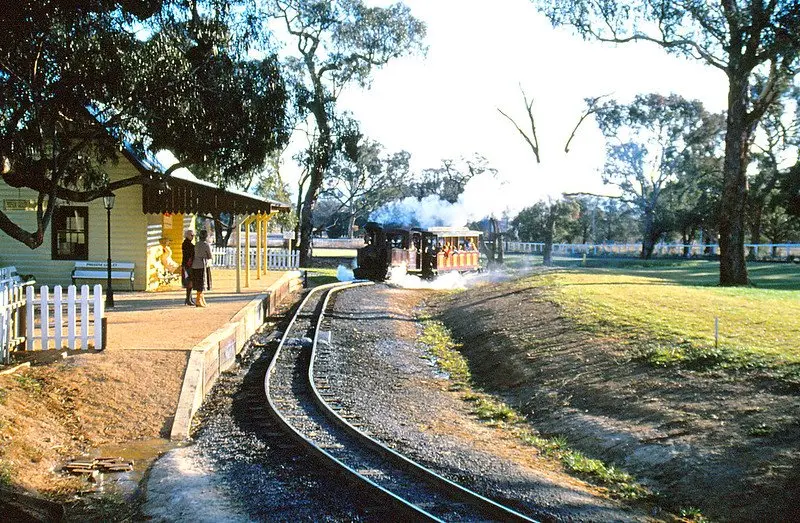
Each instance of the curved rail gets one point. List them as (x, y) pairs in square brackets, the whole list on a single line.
[(377, 490), (390, 462), (483, 504)]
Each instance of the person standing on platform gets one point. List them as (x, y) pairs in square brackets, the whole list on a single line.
[(187, 256), (201, 268)]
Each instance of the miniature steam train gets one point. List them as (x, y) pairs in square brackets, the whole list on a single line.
[(425, 252)]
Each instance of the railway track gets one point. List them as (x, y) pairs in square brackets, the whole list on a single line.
[(394, 487)]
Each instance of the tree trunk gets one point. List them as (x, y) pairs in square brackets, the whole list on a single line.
[(321, 156), (306, 223), (732, 265), (299, 211), (549, 233), (500, 248), (648, 242), (755, 231)]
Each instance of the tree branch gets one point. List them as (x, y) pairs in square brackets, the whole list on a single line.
[(591, 109), (534, 144)]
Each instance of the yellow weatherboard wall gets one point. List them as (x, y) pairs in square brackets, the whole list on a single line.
[(128, 227)]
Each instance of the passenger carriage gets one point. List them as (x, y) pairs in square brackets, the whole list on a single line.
[(426, 252)]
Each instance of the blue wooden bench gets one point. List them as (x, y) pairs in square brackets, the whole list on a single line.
[(9, 276), (88, 270)]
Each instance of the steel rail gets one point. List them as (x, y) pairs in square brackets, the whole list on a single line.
[(377, 490), (484, 505)]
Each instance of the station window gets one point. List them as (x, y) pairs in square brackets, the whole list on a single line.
[(70, 233)]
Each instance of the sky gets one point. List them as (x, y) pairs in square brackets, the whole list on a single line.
[(480, 54)]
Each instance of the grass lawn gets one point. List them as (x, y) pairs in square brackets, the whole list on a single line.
[(320, 276), (671, 306)]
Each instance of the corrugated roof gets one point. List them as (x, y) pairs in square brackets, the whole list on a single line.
[(184, 193)]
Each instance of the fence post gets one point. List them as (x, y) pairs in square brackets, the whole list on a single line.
[(97, 322), (5, 327), (58, 316), (44, 312), (71, 317), (84, 316), (29, 317)]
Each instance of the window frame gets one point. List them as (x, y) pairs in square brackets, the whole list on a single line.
[(58, 224)]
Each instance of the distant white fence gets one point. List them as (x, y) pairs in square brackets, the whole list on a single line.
[(759, 251), (337, 243), (50, 320), (277, 259)]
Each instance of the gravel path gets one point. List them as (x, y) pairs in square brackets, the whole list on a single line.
[(385, 378)]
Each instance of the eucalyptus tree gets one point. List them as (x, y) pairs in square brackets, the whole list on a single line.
[(449, 179), (776, 143), (541, 222), (364, 179), (583, 229), (650, 143), (558, 208), (78, 78), (741, 38), (338, 43)]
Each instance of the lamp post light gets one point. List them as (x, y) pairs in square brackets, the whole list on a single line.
[(108, 203)]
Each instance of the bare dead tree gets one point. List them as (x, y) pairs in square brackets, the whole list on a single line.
[(532, 140), (591, 108)]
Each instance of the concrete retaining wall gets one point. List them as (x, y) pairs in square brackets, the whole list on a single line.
[(218, 351)]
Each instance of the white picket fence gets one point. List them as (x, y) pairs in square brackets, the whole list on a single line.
[(762, 251), (277, 259), (50, 320), (12, 323)]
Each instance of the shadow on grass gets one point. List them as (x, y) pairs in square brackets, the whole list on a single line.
[(694, 273)]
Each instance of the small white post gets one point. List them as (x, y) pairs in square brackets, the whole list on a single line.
[(6, 313), (29, 316), (238, 240), (97, 321), (84, 317), (44, 311), (716, 331), (58, 315), (71, 319)]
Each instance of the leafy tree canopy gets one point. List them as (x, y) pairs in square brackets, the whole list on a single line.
[(755, 43), (337, 43), (78, 77)]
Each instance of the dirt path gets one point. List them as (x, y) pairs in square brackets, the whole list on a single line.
[(385, 377), (726, 444)]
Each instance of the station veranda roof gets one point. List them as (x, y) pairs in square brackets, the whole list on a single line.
[(182, 193)]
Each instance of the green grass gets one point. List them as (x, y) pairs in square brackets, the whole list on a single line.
[(5, 474), (693, 514), (320, 276), (704, 273), (670, 312), (28, 383), (444, 351)]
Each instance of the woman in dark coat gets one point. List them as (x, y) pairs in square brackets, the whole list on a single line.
[(201, 265), (187, 255)]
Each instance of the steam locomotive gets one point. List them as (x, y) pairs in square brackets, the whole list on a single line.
[(425, 252)]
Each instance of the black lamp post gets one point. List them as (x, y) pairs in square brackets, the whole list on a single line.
[(108, 203)]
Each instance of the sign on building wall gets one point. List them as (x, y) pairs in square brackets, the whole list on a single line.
[(19, 205)]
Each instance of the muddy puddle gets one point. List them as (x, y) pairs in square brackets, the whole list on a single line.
[(141, 453)]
